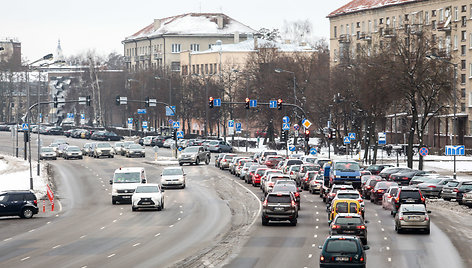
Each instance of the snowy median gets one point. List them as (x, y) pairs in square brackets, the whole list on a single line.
[(164, 161), (14, 175)]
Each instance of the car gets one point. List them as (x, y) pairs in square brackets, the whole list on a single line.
[(272, 160), (158, 141), (218, 158), (135, 150), (239, 165), (308, 159), (412, 216), (417, 179), (18, 203), (271, 179), (258, 173), (467, 199), (407, 195), (365, 172), (343, 206), (386, 172), (315, 184), (349, 224), (61, 148), (292, 171), (105, 136), (279, 207), (251, 172), (283, 187), (377, 168), (343, 251), (289, 162), (433, 187), (47, 153), (403, 177), (102, 149), (220, 146), (194, 155), (243, 172), (86, 148), (72, 152), (147, 140), (345, 171), (321, 161), (125, 147), (264, 155), (124, 183), (173, 177), (168, 143), (376, 194), (118, 146), (224, 162), (388, 198), (450, 190), (266, 174), (308, 177), (147, 196), (334, 189), (304, 169), (369, 185), (464, 188), (351, 194)]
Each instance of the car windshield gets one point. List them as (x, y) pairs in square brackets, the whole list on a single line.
[(295, 168), (229, 157), (274, 158), (172, 171), (191, 150), (310, 160), (311, 175), (285, 188), (279, 199), (348, 196), (312, 168), (344, 246), (294, 162), (348, 220), (127, 177), (103, 145), (135, 146), (214, 143), (347, 166), (147, 189), (466, 187), (452, 184), (73, 149), (434, 181), (260, 171), (47, 149)]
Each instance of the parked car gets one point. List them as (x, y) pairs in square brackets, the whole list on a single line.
[(168, 143), (47, 153), (18, 203), (147, 140), (105, 136), (220, 146), (338, 251), (417, 179), (412, 216), (467, 199), (279, 207), (433, 187), (135, 150), (450, 190), (464, 188), (173, 177), (403, 177), (349, 224)]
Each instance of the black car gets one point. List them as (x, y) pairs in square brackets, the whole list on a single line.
[(379, 189), (279, 207), (349, 224), (105, 136), (376, 169), (54, 131), (407, 195), (288, 188), (404, 177), (386, 172), (343, 251), (464, 188), (18, 203)]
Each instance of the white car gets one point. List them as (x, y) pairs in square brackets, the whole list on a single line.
[(147, 140), (271, 179), (147, 196), (167, 143), (124, 183), (173, 177)]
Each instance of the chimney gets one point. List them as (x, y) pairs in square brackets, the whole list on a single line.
[(219, 21), (236, 37), (157, 24)]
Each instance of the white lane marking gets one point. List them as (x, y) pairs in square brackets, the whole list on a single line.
[(100, 178), (83, 236), (180, 206), (385, 238), (84, 266), (56, 246), (121, 213), (30, 231), (137, 244), (383, 230), (181, 212), (114, 220), (179, 219), (317, 213), (316, 227), (7, 239), (121, 208), (171, 226), (316, 206), (389, 259), (380, 221), (317, 219), (48, 222), (376, 215), (387, 248), (156, 235), (309, 256), (258, 201), (25, 258), (103, 227), (312, 245), (97, 175), (315, 236), (109, 256)]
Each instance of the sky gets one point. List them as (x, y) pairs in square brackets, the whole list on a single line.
[(101, 25)]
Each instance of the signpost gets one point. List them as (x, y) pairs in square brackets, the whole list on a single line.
[(306, 123), (145, 126), (423, 151), (141, 111), (24, 126), (253, 103), (180, 134), (292, 148), (352, 136), (313, 151), (286, 126), (286, 119), (176, 125), (238, 127), (217, 102), (455, 150), (231, 127), (382, 138), (169, 111), (273, 104), (82, 119)]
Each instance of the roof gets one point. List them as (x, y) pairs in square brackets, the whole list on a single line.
[(129, 169), (192, 24), (361, 5)]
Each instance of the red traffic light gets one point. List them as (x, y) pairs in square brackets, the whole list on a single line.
[(280, 101), (307, 132), (247, 100), (211, 99)]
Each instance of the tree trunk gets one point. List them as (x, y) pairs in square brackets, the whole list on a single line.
[(409, 148)]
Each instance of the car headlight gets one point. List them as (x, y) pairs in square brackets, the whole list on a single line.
[(114, 191), (358, 177), (337, 177)]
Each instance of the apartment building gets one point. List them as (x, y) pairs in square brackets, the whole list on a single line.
[(10, 54), (160, 43), (367, 22)]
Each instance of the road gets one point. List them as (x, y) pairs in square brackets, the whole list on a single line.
[(207, 224)]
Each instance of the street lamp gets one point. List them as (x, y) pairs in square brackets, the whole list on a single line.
[(2, 48), (454, 123), (278, 70)]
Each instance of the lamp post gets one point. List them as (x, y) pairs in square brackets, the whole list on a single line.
[(142, 97), (454, 123), (279, 70)]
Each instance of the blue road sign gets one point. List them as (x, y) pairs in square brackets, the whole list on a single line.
[(70, 115), (180, 134), (40, 115), (169, 111), (352, 135), (286, 119), (423, 151), (253, 103), (176, 124), (145, 124), (180, 149), (291, 148), (171, 121), (382, 138), (313, 151), (272, 104), (24, 126), (286, 126), (130, 120), (82, 116), (455, 150), (238, 127), (347, 140), (217, 102), (141, 111), (231, 123)]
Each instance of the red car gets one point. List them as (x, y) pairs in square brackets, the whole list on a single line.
[(273, 161), (256, 178)]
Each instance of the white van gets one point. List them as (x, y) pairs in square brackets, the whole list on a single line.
[(124, 183)]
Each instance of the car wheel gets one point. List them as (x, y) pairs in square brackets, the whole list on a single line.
[(447, 199), (133, 208), (293, 222), (197, 162), (207, 161), (298, 206), (427, 231), (162, 207), (183, 186), (81, 157), (159, 208), (26, 213), (55, 158), (219, 150), (113, 202), (265, 222), (364, 241), (180, 164)]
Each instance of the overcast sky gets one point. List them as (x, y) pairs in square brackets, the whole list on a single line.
[(101, 25)]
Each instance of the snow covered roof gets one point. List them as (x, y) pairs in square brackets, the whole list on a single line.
[(193, 24), (360, 5), (248, 46)]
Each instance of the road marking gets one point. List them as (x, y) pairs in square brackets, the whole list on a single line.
[(137, 244), (316, 227), (114, 220), (316, 206), (315, 236), (83, 236), (312, 245), (389, 259), (376, 215), (48, 222), (56, 246), (317, 213), (121, 213), (171, 226), (30, 231), (7, 239), (121, 208), (317, 219), (57, 215), (156, 235), (309, 256), (387, 248), (84, 266), (179, 219), (380, 221), (181, 212), (102, 228), (180, 206), (109, 256), (25, 258), (97, 175)]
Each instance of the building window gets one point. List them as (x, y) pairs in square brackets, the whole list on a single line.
[(381, 21), (433, 13), (375, 26), (369, 27), (434, 25), (463, 50), (470, 70), (463, 64), (463, 36), (335, 32), (464, 8), (456, 13), (211, 68), (426, 17), (470, 99), (347, 29), (335, 55), (462, 93), (394, 22), (462, 107), (441, 15), (463, 79), (175, 48), (194, 47), (470, 40), (341, 30), (464, 21), (352, 28), (470, 11), (358, 25), (455, 42)]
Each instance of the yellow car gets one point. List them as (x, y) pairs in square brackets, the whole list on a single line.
[(344, 206)]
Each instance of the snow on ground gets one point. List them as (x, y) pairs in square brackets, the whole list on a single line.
[(14, 175), (449, 206)]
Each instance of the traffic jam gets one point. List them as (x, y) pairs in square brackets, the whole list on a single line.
[(345, 187)]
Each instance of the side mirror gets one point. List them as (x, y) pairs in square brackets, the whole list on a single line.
[(366, 222), (429, 211), (366, 247), (111, 181), (320, 247), (143, 181)]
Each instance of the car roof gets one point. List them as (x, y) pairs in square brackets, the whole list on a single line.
[(343, 237), (16, 192), (149, 184), (353, 215), (348, 192), (129, 169), (413, 207)]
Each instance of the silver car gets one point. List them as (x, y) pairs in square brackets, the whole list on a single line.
[(412, 216), (47, 153), (433, 187), (450, 190), (467, 199), (173, 177), (226, 160), (220, 146)]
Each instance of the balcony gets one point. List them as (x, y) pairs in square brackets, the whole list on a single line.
[(127, 59), (365, 36), (344, 38), (158, 56), (445, 26), (388, 32)]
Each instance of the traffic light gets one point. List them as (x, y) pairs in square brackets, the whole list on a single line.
[(333, 134), (279, 104), (210, 102), (26, 136), (117, 101), (146, 103), (174, 134), (247, 103), (88, 100), (284, 135), (55, 102), (307, 135)]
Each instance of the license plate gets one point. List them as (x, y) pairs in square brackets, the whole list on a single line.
[(126, 196), (342, 258), (348, 232), (413, 217), (279, 209), (146, 203)]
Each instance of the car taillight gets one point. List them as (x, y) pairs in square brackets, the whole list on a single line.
[(332, 194), (271, 184), (422, 198), (224, 160), (426, 218), (360, 200), (401, 218), (306, 179), (368, 187), (361, 259), (291, 172), (432, 186), (36, 202), (379, 191), (405, 178), (397, 199), (455, 190), (297, 194), (336, 226), (250, 173), (322, 258), (362, 227)]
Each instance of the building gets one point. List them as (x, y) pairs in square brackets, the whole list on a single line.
[(10, 54), (368, 21), (160, 43)]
